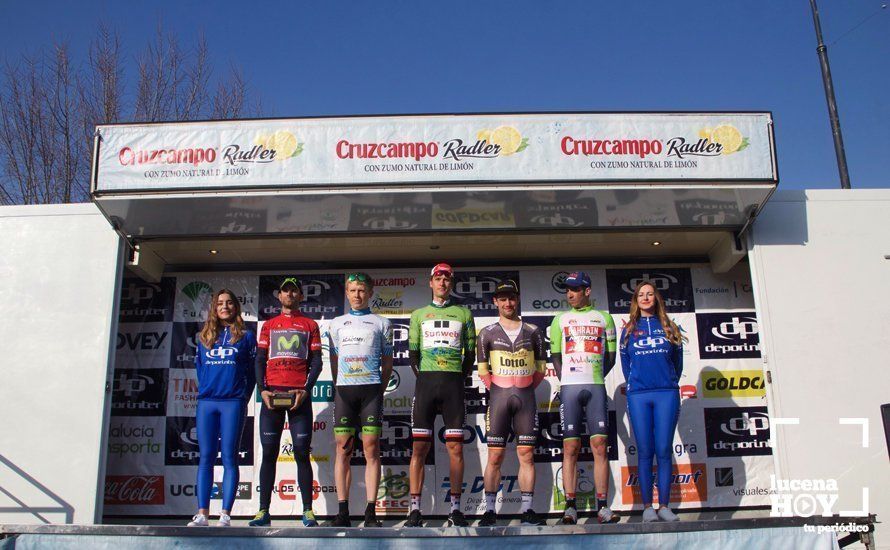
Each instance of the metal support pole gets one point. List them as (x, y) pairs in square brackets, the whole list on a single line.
[(822, 50)]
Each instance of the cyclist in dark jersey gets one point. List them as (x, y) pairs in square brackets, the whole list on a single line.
[(288, 360), (441, 342), (512, 362)]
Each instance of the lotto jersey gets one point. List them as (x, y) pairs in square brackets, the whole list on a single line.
[(511, 363), (582, 336), (361, 340), (442, 334), (289, 339)]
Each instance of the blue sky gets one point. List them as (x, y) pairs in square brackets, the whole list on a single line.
[(341, 58)]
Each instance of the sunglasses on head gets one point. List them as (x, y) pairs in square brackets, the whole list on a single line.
[(360, 277)]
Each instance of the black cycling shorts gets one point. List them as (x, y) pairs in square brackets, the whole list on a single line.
[(435, 393), (355, 406), (580, 402), (514, 406)]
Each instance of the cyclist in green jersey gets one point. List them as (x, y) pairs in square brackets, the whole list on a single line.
[(441, 346), (583, 351)]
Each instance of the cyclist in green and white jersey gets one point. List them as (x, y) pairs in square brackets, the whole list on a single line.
[(441, 348), (583, 351)]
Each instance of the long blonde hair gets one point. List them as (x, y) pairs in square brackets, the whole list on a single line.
[(671, 330), (213, 326)]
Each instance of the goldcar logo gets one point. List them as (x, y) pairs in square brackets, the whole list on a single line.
[(740, 383)]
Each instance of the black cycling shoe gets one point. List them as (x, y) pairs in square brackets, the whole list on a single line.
[(341, 520), (415, 519), (529, 517), (456, 519), (371, 519), (489, 518)]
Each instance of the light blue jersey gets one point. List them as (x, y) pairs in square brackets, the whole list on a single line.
[(361, 340)]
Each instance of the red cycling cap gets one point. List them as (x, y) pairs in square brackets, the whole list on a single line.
[(442, 269)]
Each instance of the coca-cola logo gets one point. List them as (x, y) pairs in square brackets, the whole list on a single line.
[(134, 490)]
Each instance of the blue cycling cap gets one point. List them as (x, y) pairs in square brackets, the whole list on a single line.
[(577, 279)]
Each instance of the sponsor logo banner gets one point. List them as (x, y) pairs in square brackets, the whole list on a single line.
[(689, 483), (323, 295), (489, 148), (196, 291), (287, 489), (139, 392), (134, 490), (707, 212), (185, 345), (732, 383), (135, 444), (722, 291), (734, 335), (400, 328), (737, 431), (182, 443), (389, 218), (146, 302), (243, 492), (398, 293), (566, 211), (182, 392), (393, 493), (395, 443), (142, 346), (674, 284), (473, 215), (475, 290)]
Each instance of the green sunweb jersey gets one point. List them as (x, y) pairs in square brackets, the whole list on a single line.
[(442, 335)]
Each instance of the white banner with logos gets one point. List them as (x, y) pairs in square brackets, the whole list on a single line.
[(721, 456), (608, 147)]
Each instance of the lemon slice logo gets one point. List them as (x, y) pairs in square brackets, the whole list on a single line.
[(507, 138), (725, 135), (284, 144)]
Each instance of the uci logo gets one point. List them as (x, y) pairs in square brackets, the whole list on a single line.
[(661, 281), (394, 381), (746, 424), (132, 385), (387, 223), (649, 342), (742, 327), (558, 282), (136, 294), (476, 287), (221, 353)]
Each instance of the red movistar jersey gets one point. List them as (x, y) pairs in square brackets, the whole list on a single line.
[(289, 339)]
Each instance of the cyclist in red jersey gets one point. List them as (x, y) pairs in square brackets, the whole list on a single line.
[(288, 361)]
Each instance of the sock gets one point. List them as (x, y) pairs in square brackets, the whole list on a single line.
[(527, 501), (415, 502), (371, 507), (455, 502), (601, 499), (489, 501), (570, 500), (343, 507)]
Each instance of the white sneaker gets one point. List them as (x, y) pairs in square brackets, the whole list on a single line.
[(199, 520), (650, 515), (666, 514), (225, 520), (606, 515)]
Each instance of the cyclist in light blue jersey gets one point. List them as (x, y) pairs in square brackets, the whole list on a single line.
[(361, 363)]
